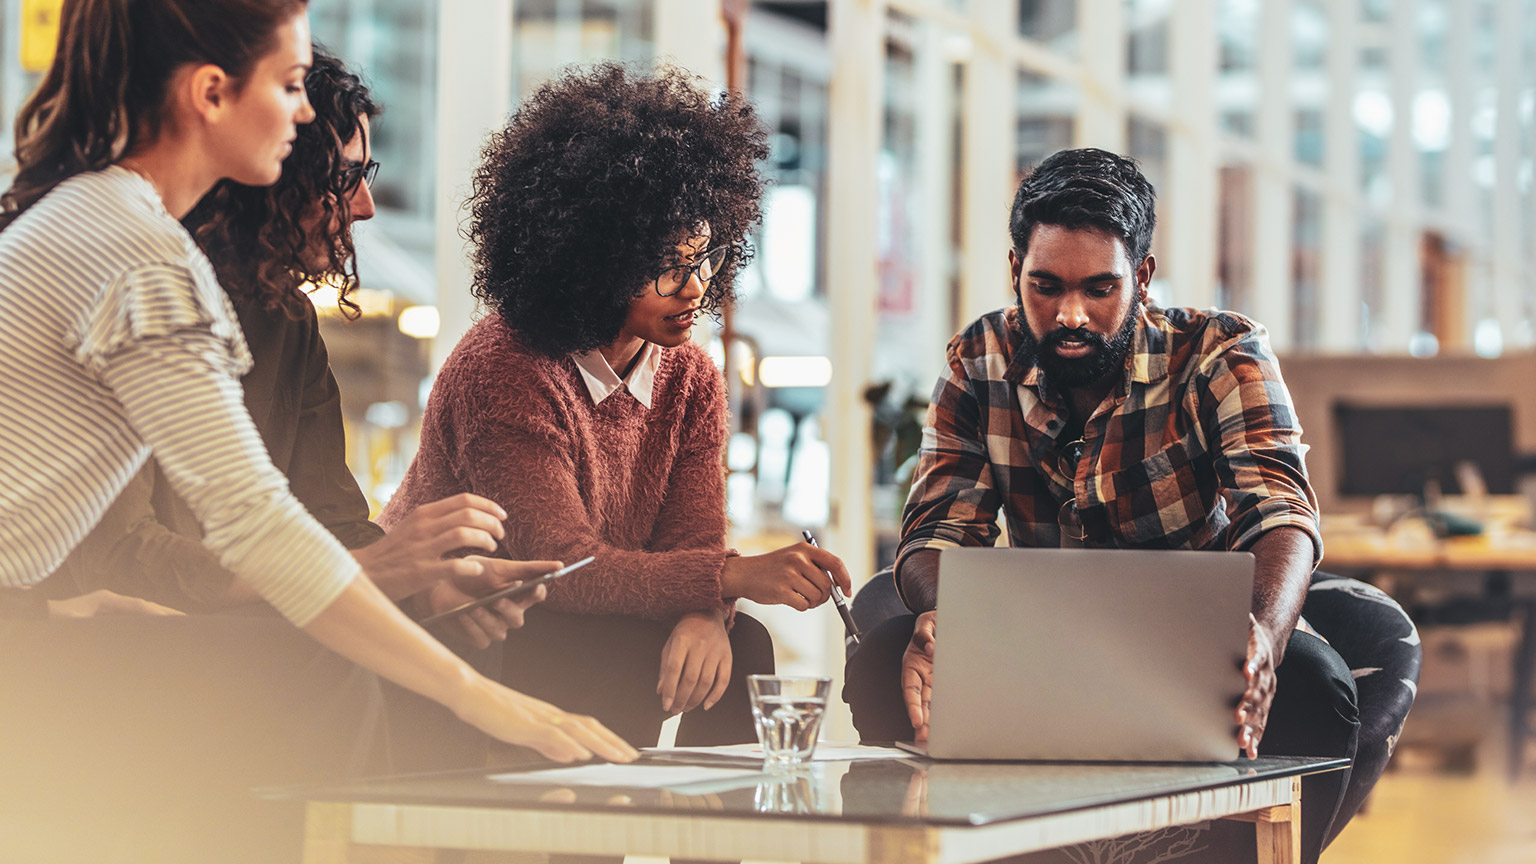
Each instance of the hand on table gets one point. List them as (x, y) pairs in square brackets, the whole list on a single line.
[(794, 576), (1259, 671), (917, 673), (102, 602), (520, 719), (695, 663), (409, 558), (480, 627)]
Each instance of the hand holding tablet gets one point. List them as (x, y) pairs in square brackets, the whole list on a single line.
[(511, 592)]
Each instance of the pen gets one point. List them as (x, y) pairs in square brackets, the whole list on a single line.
[(837, 595)]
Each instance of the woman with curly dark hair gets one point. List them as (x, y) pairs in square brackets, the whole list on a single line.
[(607, 216), (266, 243)]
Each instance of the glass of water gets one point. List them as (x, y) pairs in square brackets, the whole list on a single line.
[(788, 711)]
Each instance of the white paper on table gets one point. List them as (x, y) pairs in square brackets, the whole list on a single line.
[(630, 776), (753, 753)]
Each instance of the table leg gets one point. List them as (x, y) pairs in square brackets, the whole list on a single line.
[(1277, 829), (1520, 688), (328, 840), (327, 833), (902, 846)]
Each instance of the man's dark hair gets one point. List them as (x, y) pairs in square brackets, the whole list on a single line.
[(258, 237), (1087, 188), (581, 200)]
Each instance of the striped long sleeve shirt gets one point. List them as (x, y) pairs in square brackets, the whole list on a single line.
[(116, 342), (1198, 447)]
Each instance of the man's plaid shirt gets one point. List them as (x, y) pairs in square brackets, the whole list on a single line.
[(1199, 448)]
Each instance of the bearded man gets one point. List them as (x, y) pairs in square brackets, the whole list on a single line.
[(1091, 417)]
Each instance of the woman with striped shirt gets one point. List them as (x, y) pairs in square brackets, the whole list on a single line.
[(116, 342)]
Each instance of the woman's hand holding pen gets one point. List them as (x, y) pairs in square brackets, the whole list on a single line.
[(410, 557), (794, 576)]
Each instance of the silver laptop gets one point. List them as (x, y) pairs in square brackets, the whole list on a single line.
[(1089, 654)]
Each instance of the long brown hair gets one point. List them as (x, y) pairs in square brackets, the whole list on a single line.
[(260, 238), (105, 92)]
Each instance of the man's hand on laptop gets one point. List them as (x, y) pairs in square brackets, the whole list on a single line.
[(1259, 670), (917, 673)]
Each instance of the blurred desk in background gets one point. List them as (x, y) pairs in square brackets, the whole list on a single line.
[(1452, 580)]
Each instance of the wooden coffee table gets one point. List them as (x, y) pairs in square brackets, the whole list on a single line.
[(866, 812)]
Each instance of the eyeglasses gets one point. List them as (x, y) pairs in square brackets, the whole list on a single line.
[(348, 178), (1066, 460), (1067, 518), (671, 280)]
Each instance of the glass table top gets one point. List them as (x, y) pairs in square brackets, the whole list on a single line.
[(916, 791)]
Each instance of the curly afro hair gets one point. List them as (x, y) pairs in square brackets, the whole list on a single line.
[(581, 200), (258, 237)]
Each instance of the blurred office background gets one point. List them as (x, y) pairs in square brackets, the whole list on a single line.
[(1355, 174)]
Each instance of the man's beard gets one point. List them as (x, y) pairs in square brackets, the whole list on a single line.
[(1062, 372)]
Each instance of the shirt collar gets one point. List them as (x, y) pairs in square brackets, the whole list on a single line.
[(603, 382)]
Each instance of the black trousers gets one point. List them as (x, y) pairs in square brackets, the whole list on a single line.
[(1315, 713), (608, 665), (139, 738)]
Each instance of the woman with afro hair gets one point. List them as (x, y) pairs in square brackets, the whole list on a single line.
[(607, 216)]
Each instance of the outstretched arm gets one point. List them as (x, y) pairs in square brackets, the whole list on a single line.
[(191, 415)]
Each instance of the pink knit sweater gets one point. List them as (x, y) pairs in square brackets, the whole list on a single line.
[(641, 489)]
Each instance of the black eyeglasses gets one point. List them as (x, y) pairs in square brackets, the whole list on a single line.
[(1070, 455), (348, 178), (671, 280), (1067, 517)]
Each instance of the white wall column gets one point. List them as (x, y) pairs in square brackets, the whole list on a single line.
[(856, 33), (13, 89), (935, 120), (987, 134), (1273, 299), (1401, 312), (474, 94), (1508, 276), (1341, 199), (691, 34), (1101, 116), (1458, 193), (1193, 170)]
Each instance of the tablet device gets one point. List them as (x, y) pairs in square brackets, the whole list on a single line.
[(511, 592)]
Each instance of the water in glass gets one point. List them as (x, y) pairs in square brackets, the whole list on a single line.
[(788, 712)]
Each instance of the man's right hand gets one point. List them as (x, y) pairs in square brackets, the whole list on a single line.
[(917, 673)]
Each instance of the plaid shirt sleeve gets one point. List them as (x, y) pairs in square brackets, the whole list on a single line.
[(954, 501), (1255, 438)]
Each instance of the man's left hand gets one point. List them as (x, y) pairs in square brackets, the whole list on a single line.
[(1259, 670)]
